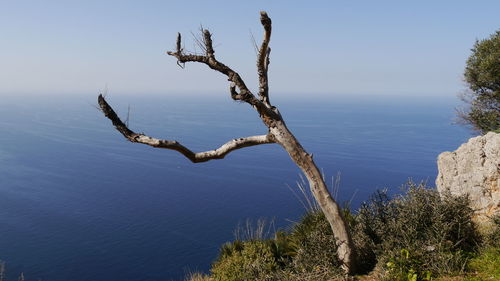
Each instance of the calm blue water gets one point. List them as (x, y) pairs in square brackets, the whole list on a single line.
[(78, 202)]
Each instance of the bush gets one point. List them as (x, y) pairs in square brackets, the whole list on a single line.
[(405, 267), (491, 232), (487, 264), (482, 75), (307, 252), (250, 260), (420, 232), (415, 236), (316, 248)]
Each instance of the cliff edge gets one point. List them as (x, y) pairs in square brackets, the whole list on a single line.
[(474, 169)]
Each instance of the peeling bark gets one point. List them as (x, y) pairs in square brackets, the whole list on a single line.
[(277, 133)]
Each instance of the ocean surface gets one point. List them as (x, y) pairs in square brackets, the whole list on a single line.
[(78, 202)]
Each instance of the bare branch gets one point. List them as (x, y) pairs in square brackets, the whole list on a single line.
[(234, 94), (218, 153), (209, 59), (263, 58), (178, 43), (207, 39), (278, 133)]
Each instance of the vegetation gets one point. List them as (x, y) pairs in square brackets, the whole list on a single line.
[(420, 233), (482, 75), (486, 266), (416, 236)]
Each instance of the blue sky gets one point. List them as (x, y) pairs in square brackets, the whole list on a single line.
[(318, 47)]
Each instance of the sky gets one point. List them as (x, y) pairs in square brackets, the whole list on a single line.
[(404, 48)]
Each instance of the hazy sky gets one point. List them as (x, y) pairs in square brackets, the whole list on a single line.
[(346, 47)]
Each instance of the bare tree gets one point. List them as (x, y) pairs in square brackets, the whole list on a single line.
[(277, 132)]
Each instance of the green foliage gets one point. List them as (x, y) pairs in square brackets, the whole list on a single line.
[(307, 252), (246, 261), (251, 260), (492, 232), (482, 71), (486, 266), (284, 248), (413, 237), (482, 74), (316, 248), (436, 231), (405, 268)]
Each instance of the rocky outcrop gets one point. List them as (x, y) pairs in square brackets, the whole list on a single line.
[(474, 169)]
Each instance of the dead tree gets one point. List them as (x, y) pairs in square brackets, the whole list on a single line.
[(277, 132)]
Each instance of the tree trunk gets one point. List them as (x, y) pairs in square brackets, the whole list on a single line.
[(345, 249), (278, 132)]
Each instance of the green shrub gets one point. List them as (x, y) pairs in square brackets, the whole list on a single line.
[(482, 75), (491, 232), (316, 248), (436, 231), (487, 264), (406, 268), (250, 260), (413, 237), (306, 253)]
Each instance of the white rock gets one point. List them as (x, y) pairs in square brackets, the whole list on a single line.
[(474, 169)]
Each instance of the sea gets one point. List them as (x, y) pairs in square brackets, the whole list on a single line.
[(79, 202)]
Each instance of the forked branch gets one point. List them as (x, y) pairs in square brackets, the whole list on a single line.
[(195, 157), (243, 93), (277, 133), (210, 60)]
